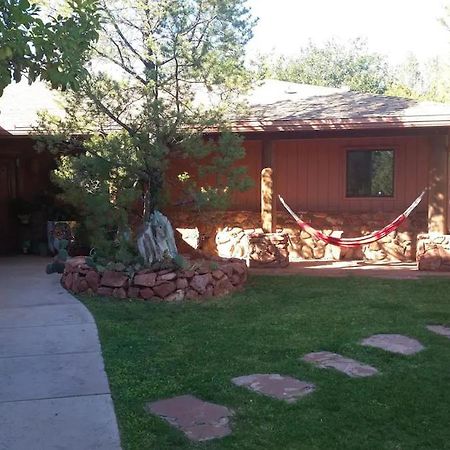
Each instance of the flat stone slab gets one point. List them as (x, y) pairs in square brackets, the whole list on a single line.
[(395, 343), (73, 423), (440, 329), (276, 386), (350, 367), (198, 420)]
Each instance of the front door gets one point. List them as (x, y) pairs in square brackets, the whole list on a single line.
[(7, 192)]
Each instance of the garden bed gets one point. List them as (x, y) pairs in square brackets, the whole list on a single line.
[(207, 278)]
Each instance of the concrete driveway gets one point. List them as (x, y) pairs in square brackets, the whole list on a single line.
[(54, 393)]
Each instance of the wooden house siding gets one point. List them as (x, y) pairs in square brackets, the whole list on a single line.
[(311, 173)]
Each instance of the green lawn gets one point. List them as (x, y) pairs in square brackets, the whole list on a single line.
[(155, 351)]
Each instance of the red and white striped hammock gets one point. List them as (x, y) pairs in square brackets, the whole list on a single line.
[(357, 241)]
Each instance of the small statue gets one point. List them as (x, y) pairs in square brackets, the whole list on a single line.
[(156, 240)]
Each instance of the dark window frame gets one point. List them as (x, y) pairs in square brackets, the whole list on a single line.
[(370, 149)]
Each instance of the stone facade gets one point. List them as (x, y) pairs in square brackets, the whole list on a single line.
[(209, 278), (227, 234), (268, 250), (433, 252)]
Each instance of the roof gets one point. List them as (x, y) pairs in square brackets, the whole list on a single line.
[(279, 106), (20, 104), (273, 105)]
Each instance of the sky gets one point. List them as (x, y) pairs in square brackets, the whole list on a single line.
[(395, 28)]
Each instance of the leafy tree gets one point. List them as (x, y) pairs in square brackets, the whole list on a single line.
[(139, 109), (53, 49), (333, 64)]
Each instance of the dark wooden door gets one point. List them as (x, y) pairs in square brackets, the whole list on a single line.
[(7, 192)]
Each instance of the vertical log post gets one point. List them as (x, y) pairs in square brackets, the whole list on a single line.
[(268, 192), (438, 185)]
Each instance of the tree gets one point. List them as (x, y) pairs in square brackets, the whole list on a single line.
[(333, 64), (141, 111), (54, 49)]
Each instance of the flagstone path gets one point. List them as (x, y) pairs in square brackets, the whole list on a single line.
[(276, 386), (395, 343), (350, 367), (439, 329), (197, 419)]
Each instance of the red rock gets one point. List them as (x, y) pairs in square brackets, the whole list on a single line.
[(223, 287), (68, 280), (113, 279), (145, 279), (209, 290), (102, 290), (202, 270), (73, 263), (227, 269), (218, 274), (83, 285), (239, 268), (182, 283), (167, 276), (192, 294), (120, 293), (133, 292), (163, 290), (176, 296), (187, 273), (200, 282), (430, 259), (76, 283), (146, 293), (93, 279), (236, 280)]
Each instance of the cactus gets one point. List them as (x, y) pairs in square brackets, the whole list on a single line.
[(59, 261)]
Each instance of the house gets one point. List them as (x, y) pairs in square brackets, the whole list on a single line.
[(349, 162)]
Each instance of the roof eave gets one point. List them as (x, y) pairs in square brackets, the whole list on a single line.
[(376, 123)]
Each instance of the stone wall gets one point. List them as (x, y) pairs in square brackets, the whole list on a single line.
[(433, 252), (206, 279), (226, 234)]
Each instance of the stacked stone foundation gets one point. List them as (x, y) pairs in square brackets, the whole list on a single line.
[(228, 234), (212, 278)]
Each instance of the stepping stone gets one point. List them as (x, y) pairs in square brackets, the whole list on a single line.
[(350, 367), (276, 386), (440, 329), (395, 343), (198, 420)]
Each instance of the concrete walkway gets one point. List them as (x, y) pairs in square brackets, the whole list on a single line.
[(54, 393)]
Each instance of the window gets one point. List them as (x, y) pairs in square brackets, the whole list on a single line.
[(370, 173)]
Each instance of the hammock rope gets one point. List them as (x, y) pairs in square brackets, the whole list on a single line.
[(356, 241)]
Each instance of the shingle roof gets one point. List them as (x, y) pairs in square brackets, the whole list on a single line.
[(273, 104)]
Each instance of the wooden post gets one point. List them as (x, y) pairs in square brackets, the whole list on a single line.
[(438, 185), (268, 192)]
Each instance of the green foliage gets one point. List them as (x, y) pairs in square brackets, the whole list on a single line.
[(58, 264), (52, 48), (154, 351), (424, 81), (122, 128), (333, 64)]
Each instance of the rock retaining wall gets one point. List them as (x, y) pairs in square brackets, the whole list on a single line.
[(433, 252), (208, 279), (227, 234)]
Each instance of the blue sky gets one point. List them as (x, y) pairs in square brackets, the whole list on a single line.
[(392, 27)]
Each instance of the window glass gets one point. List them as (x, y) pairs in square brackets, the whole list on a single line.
[(370, 173)]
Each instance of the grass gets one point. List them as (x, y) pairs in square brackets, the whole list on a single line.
[(155, 351)]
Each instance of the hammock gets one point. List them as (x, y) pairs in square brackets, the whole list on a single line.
[(358, 241)]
